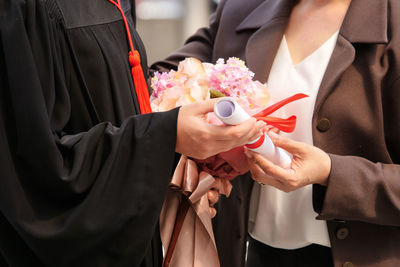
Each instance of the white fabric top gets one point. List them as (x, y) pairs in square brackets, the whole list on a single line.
[(287, 220)]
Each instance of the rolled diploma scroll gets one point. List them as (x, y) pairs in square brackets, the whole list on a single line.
[(231, 113)]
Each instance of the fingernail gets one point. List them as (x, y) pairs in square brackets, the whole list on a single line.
[(261, 124), (273, 134), (247, 153)]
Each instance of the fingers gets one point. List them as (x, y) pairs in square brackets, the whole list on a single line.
[(272, 174), (255, 133), (219, 140), (256, 172), (205, 106), (213, 212), (242, 132), (270, 128), (213, 197), (266, 165), (258, 175), (289, 145)]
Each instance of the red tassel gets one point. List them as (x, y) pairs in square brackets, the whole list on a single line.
[(141, 89), (139, 81)]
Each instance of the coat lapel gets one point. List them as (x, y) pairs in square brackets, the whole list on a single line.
[(342, 57), (268, 21), (359, 26)]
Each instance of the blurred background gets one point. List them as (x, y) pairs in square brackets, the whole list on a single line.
[(164, 25)]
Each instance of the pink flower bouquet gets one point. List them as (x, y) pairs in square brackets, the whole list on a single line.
[(196, 81)]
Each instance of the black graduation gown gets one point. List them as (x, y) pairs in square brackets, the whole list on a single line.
[(82, 178)]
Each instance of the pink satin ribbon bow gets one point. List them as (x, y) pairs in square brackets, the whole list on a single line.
[(186, 228)]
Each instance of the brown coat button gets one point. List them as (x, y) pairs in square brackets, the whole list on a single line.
[(342, 233), (323, 125), (348, 264)]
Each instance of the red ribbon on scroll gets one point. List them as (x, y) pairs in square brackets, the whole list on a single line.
[(285, 125)]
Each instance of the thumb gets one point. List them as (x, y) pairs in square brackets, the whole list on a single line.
[(205, 107), (287, 144)]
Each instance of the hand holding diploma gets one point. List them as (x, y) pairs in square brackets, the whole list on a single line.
[(231, 113), (198, 139), (310, 165)]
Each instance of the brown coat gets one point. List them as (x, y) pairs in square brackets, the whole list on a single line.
[(356, 120)]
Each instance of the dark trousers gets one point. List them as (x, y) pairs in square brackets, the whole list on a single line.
[(261, 255)]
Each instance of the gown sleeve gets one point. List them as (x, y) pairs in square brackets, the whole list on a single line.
[(85, 199)]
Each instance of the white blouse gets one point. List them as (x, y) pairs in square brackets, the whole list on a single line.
[(287, 220)]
